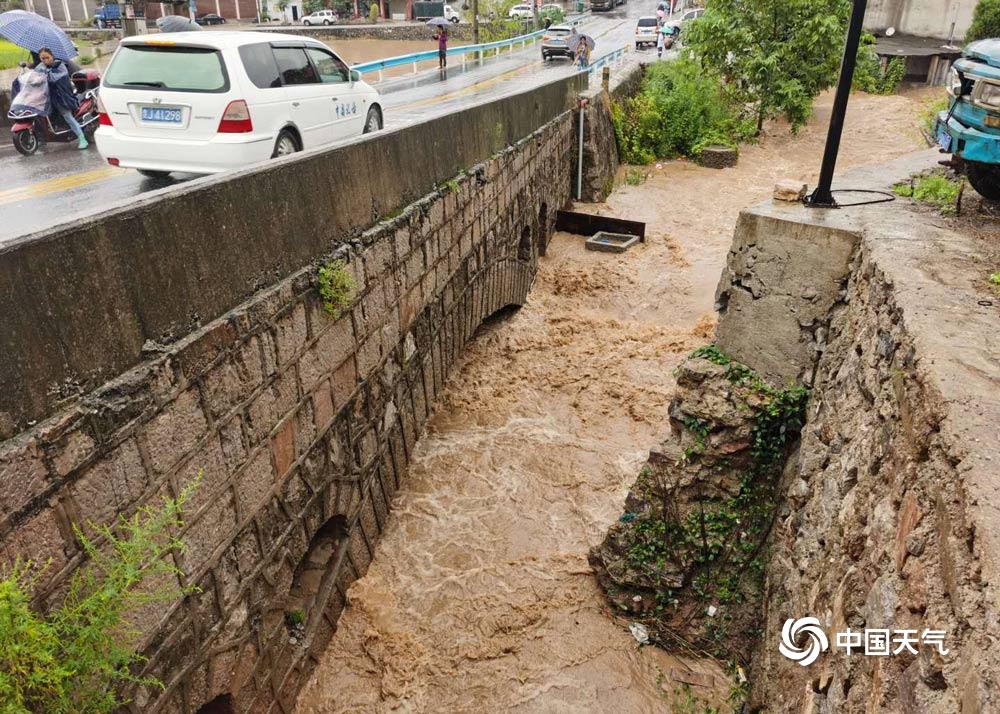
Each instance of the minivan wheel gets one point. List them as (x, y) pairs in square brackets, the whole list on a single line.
[(985, 178), (326, 22), (373, 122), (285, 144)]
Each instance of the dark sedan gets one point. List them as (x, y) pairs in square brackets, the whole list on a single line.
[(209, 18)]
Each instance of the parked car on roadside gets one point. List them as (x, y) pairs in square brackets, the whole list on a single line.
[(212, 101), (645, 31), (209, 18), (554, 42), (521, 12), (320, 17), (451, 15), (970, 128)]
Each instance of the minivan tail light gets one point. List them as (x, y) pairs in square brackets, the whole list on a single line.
[(236, 119), (102, 114)]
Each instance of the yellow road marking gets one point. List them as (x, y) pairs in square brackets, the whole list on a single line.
[(63, 183)]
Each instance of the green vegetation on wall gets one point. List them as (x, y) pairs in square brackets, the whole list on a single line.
[(709, 555), (72, 659), (336, 287)]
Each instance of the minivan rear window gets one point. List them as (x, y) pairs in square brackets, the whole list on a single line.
[(174, 69), (647, 22)]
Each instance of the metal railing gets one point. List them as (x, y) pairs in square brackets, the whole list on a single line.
[(608, 59), (465, 51)]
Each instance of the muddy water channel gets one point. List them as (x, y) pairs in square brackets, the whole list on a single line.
[(480, 598)]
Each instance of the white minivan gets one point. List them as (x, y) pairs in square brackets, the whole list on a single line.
[(204, 102)]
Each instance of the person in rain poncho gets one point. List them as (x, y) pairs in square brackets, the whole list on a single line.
[(61, 93)]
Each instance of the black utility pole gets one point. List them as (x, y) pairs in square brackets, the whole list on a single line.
[(822, 197)]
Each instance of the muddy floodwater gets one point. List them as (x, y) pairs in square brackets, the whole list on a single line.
[(480, 598)]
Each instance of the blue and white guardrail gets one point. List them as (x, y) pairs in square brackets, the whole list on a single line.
[(464, 50)]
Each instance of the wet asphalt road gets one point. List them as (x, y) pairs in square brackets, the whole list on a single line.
[(61, 183)]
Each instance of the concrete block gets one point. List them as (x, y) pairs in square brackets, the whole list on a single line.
[(173, 432), (785, 270), (787, 190), (610, 242), (230, 383), (291, 333), (23, 473), (111, 485)]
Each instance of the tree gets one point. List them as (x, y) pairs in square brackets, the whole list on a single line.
[(282, 5), (774, 56), (985, 21)]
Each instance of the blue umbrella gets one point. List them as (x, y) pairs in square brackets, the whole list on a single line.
[(33, 32)]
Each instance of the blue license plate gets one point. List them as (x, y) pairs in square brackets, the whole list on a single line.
[(944, 140), (161, 115)]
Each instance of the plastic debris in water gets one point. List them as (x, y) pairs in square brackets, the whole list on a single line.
[(639, 632), (659, 166)]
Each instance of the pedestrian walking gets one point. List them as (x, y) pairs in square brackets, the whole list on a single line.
[(661, 41), (442, 38)]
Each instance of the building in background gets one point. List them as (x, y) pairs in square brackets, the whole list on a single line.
[(928, 34)]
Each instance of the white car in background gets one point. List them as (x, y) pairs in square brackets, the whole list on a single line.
[(645, 31), (205, 102), (451, 15), (521, 12), (320, 17)]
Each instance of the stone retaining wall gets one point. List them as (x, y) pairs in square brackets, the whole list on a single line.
[(891, 517), (302, 426)]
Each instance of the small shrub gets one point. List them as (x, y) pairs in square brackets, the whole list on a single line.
[(72, 659), (86, 60), (556, 15), (634, 177), (336, 287), (934, 189), (985, 21), (295, 618), (373, 13), (868, 73), (679, 110), (995, 281)]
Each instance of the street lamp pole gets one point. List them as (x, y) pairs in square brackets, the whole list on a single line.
[(822, 197)]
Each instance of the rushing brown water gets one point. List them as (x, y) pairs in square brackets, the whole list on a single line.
[(480, 598)]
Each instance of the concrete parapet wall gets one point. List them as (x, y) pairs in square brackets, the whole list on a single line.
[(302, 425), (891, 516), (78, 302)]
